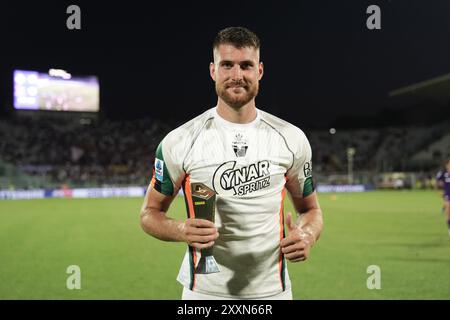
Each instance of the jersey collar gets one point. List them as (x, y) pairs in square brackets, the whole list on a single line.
[(230, 124)]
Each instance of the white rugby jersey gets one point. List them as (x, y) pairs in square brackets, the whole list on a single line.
[(250, 166)]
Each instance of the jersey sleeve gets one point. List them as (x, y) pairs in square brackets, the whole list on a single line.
[(299, 180), (168, 171)]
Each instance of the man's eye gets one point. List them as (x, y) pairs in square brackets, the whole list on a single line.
[(246, 66), (227, 65)]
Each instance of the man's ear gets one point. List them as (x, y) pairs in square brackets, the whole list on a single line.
[(260, 70), (212, 70)]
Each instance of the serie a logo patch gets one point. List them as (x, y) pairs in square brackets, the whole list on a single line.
[(159, 169)]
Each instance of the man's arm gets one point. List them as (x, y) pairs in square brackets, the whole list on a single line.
[(306, 231), (198, 233)]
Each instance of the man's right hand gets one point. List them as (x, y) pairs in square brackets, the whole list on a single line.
[(199, 233)]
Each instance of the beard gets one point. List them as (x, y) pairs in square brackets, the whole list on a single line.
[(236, 101)]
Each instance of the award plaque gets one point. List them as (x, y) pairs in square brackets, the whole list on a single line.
[(204, 202)]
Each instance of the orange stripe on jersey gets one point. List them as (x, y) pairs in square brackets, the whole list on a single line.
[(280, 258), (191, 213), (187, 190)]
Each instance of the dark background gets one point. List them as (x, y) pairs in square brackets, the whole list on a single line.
[(322, 65)]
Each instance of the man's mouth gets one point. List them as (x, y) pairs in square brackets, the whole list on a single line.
[(237, 89), (236, 86)]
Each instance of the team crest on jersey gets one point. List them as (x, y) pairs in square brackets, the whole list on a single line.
[(228, 180), (159, 169), (239, 145)]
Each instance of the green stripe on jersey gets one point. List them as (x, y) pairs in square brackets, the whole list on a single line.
[(308, 187), (163, 181)]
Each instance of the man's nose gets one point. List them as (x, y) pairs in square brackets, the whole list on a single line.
[(236, 72)]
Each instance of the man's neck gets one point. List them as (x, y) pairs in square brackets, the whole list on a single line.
[(245, 114)]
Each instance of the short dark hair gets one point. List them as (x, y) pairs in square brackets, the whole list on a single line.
[(239, 37)]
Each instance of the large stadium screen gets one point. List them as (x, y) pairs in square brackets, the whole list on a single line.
[(55, 91)]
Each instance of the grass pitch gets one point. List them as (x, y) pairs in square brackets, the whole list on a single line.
[(404, 233)]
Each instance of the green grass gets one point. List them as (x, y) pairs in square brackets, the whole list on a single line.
[(404, 233)]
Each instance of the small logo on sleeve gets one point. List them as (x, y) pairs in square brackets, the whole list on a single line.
[(159, 169), (307, 169)]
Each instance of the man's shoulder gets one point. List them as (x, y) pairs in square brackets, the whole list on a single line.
[(288, 130), (187, 132)]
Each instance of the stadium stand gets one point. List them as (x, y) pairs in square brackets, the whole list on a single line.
[(418, 150), (433, 152), (52, 153), (68, 152)]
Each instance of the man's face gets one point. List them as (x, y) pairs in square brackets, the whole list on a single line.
[(237, 73)]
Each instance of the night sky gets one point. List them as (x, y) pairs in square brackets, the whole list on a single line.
[(321, 62)]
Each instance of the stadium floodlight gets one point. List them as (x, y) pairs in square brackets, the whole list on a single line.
[(59, 73)]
